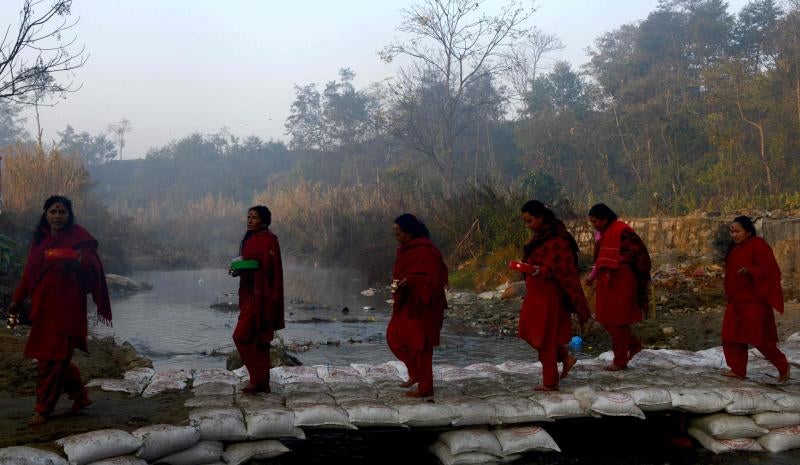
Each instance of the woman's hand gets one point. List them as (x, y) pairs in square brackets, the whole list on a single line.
[(234, 273), (743, 271), (535, 269)]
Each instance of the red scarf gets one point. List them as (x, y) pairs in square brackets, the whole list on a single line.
[(77, 238), (608, 247)]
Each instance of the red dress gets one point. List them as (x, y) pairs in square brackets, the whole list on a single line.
[(751, 299), (260, 305), (59, 325), (551, 297), (418, 310)]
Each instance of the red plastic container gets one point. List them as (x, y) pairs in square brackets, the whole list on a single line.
[(61, 254), (520, 266)]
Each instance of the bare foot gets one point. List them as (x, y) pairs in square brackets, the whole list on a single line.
[(38, 419), (634, 351), (613, 367), (731, 374), (417, 394), (79, 404), (408, 383), (784, 377), (569, 362), (543, 388)]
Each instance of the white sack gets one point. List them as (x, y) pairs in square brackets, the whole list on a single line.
[(522, 439), (441, 452), (269, 422), (422, 414), (371, 412), (471, 440), (748, 401), (123, 460), (781, 439), (775, 420), (651, 399), (725, 445), (561, 406), (95, 445), (512, 409), (470, 410), (219, 424), (21, 455), (726, 426), (161, 440), (236, 454), (322, 416), (698, 400), (203, 452)]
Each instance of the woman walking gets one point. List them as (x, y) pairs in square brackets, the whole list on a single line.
[(61, 269), (753, 290), (419, 278), (553, 292)]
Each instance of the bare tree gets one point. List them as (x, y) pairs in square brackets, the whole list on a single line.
[(31, 56), (525, 57), (452, 45), (118, 131)]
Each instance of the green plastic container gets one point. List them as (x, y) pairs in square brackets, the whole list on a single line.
[(244, 265)]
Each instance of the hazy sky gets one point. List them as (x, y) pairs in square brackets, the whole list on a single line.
[(173, 67)]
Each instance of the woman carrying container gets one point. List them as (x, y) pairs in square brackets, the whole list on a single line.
[(61, 269), (553, 291), (753, 290), (260, 275)]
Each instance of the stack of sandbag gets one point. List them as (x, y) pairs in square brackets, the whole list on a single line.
[(477, 445), (784, 430), (175, 380), (723, 432)]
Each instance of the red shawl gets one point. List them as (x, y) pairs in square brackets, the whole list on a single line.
[(763, 278), (91, 277), (420, 263), (619, 244), (554, 250), (264, 287)]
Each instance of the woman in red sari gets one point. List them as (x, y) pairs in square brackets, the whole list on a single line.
[(419, 279), (622, 276), (753, 290), (553, 291), (260, 298), (61, 269)]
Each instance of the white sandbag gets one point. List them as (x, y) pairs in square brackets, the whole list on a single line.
[(787, 402), (422, 414), (781, 439), (471, 440), (21, 455), (715, 357), (237, 454), (338, 374), (483, 367), (400, 368), (470, 410), (219, 424), (727, 426), (140, 375), (698, 400), (201, 376), (725, 445), (117, 385), (484, 388), (651, 399), (522, 439), (214, 388), (513, 409), (353, 391), (164, 386), (202, 453), (242, 373), (442, 452), (651, 358), (95, 445), (161, 440), (285, 375), (525, 368), (269, 422), (615, 404), (321, 416), (748, 401), (775, 420), (687, 358), (122, 460), (376, 372), (305, 387), (310, 398), (209, 402), (371, 412), (561, 406), (259, 400)]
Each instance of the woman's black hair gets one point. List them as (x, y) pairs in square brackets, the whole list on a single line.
[(44, 226), (747, 225), (411, 225), (537, 209), (601, 211), (266, 219)]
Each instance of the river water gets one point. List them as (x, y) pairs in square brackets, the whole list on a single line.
[(175, 326)]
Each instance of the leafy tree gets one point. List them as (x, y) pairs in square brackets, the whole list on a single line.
[(92, 149)]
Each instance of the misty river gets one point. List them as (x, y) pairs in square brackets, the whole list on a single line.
[(175, 326)]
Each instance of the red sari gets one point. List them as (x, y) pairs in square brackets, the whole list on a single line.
[(751, 299), (551, 297), (260, 305), (58, 292), (622, 267), (418, 310)]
